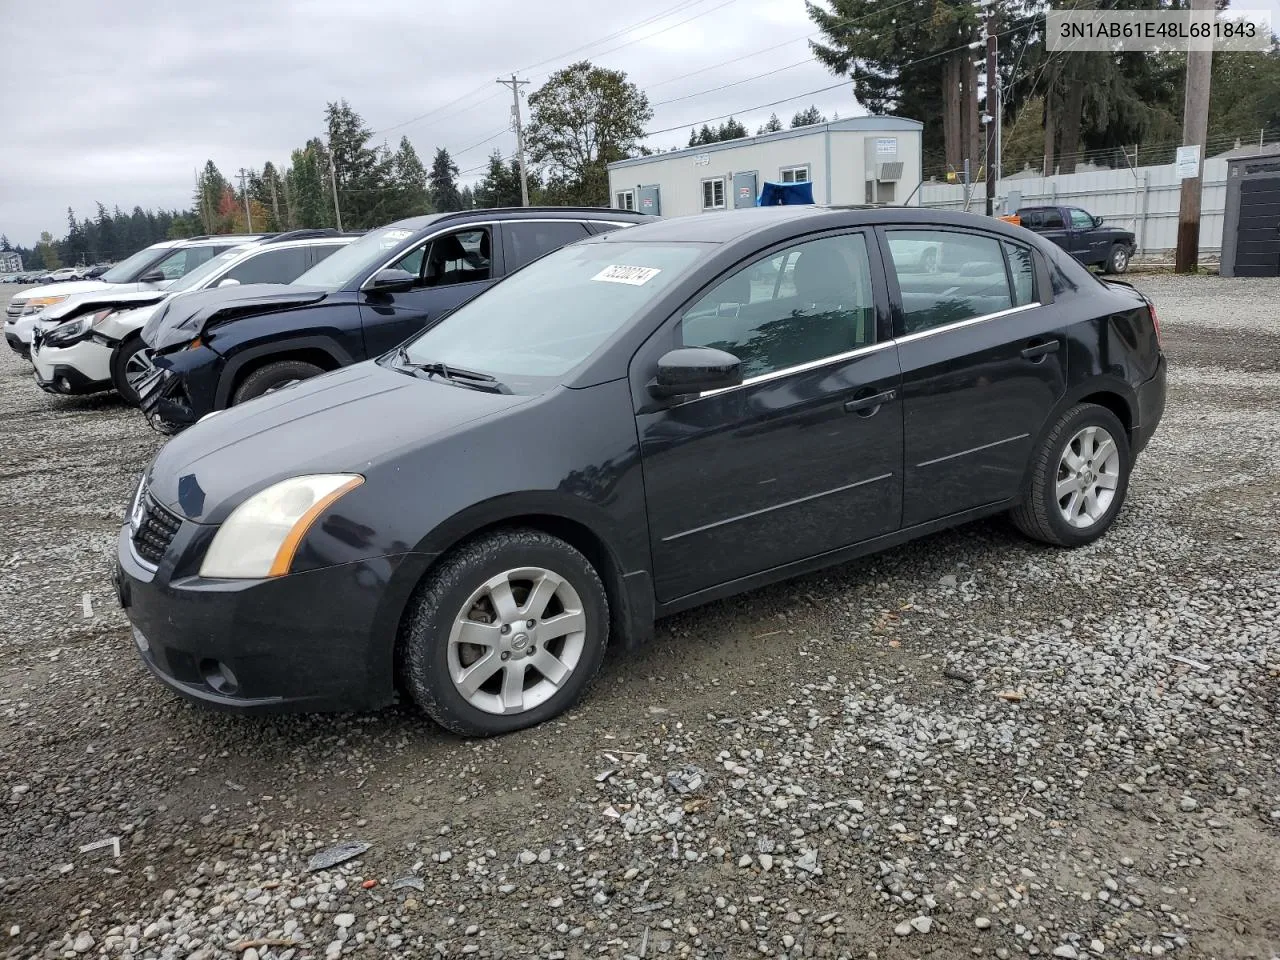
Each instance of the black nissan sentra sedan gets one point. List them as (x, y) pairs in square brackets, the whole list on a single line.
[(630, 426)]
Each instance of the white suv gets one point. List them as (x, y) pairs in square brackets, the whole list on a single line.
[(100, 348), (152, 269)]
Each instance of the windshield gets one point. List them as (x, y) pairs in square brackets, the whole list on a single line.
[(127, 271), (547, 318), (197, 277), (343, 266)]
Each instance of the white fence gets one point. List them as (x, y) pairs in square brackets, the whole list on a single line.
[(1144, 200)]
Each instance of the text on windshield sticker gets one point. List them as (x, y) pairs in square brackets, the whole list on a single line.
[(621, 273)]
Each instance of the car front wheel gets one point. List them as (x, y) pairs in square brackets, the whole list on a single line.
[(274, 376), (1118, 260), (1079, 476), (506, 634), (130, 365)]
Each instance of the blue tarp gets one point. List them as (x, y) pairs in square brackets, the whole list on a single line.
[(777, 194)]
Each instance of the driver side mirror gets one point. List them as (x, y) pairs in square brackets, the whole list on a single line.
[(391, 280), (153, 276), (695, 369), (1097, 221), (228, 282)]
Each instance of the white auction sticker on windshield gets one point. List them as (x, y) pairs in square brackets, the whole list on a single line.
[(623, 273)]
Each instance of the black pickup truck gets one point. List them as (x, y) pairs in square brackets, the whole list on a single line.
[(1082, 235)]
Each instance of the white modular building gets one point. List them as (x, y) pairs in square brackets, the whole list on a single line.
[(858, 160)]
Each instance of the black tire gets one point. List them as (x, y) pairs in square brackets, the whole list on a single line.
[(425, 641), (1117, 259), (119, 360), (1039, 515), (272, 376)]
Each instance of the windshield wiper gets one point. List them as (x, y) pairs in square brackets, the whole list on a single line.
[(461, 375)]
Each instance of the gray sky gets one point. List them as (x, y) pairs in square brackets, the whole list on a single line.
[(122, 101)]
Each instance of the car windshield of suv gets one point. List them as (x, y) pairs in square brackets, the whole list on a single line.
[(343, 266), (197, 277), (547, 318), (127, 271)]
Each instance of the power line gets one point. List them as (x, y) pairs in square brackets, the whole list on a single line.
[(735, 83), (613, 36)]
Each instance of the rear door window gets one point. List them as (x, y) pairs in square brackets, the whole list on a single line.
[(1022, 272), (1051, 219), (969, 279), (271, 266), (526, 241)]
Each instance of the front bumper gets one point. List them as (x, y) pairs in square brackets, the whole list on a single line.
[(1151, 399), (84, 367), (181, 389), (315, 641), (16, 345)]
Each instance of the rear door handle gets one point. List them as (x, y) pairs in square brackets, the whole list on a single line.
[(866, 406), (1038, 351)]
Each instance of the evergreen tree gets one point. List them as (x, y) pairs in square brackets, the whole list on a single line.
[(4, 244), (363, 172), (309, 200), (410, 180), (443, 182), (501, 184), (467, 198), (807, 117), (773, 126), (731, 129)]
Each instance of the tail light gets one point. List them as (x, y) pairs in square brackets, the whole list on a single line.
[(1155, 322)]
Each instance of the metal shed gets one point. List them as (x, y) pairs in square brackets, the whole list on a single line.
[(1251, 224)]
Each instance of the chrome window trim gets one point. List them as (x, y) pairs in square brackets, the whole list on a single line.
[(963, 453), (801, 367), (861, 351), (425, 240), (921, 334)]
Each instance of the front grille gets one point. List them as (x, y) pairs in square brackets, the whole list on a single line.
[(155, 530), (14, 308)]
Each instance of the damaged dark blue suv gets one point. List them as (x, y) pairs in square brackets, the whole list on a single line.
[(220, 347)]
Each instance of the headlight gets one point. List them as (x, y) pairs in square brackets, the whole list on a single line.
[(36, 304), (261, 536), (73, 330)]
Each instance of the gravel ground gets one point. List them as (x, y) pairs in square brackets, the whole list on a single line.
[(970, 745)]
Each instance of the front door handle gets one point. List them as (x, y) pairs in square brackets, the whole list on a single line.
[(867, 406), (1038, 351)]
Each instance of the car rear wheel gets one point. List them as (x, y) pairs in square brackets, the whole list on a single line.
[(1078, 479), (506, 634), (273, 376), (1118, 259), (130, 365)]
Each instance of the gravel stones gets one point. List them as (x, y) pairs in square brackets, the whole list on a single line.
[(841, 737)]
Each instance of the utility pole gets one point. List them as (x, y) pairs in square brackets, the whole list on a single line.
[(515, 86), (333, 179), (244, 191), (993, 107), (1195, 127), (275, 203)]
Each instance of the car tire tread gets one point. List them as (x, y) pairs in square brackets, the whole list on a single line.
[(428, 682), (264, 377), (1034, 515)]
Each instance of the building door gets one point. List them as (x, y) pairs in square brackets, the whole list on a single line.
[(648, 200), (744, 189)]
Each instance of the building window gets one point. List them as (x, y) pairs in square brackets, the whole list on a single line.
[(713, 194), (625, 200), (798, 174)]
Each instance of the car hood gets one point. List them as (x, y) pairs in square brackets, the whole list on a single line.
[(121, 295), (346, 421), (63, 289), (183, 318), (126, 320)]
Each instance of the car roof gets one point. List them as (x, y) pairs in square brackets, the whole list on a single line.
[(731, 225)]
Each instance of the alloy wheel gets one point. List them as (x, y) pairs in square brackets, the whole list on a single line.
[(1088, 476), (516, 640), (138, 367)]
